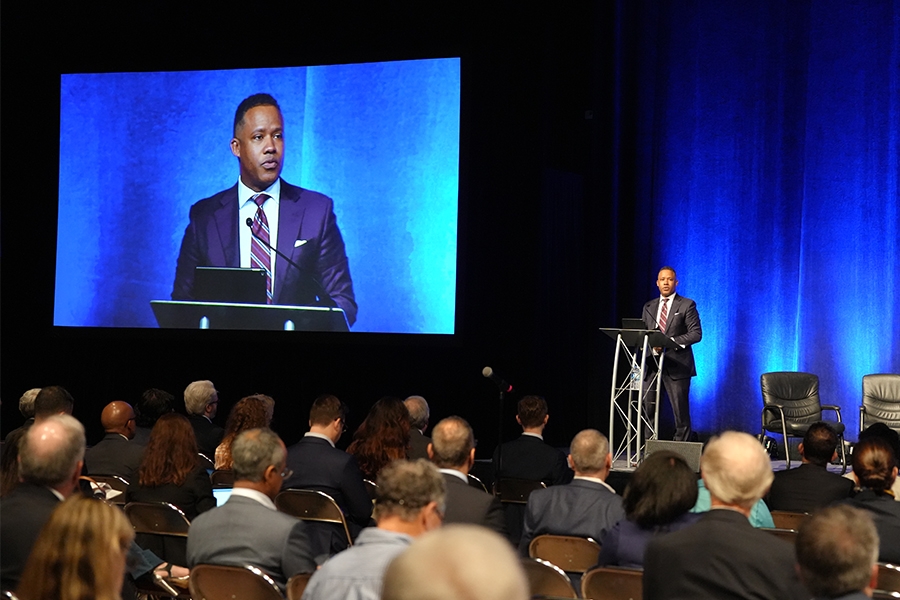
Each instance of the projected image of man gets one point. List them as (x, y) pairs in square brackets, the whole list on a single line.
[(300, 223)]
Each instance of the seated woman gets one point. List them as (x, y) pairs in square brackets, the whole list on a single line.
[(657, 500), (875, 470), (91, 562), (252, 412), (382, 437)]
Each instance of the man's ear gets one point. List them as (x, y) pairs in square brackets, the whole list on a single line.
[(471, 457), (430, 450), (236, 147), (570, 462), (546, 418)]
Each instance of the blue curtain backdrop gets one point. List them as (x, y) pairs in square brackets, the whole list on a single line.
[(766, 166), (138, 149)]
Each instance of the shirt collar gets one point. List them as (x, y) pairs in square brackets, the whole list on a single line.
[(595, 480), (254, 495), (455, 473), (245, 193), (672, 298), (320, 436), (537, 435)]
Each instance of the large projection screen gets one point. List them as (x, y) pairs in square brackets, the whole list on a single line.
[(137, 150)]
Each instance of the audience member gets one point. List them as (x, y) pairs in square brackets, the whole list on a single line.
[(657, 500), (586, 507), (52, 400), (419, 414), (430, 568), (409, 502), (528, 457), (382, 437), (91, 561), (252, 412), (880, 430), (760, 516), (810, 486), (452, 450), (318, 465), (722, 555), (9, 458), (152, 404), (201, 401), (115, 454), (247, 529), (836, 552), (875, 470), (26, 407)]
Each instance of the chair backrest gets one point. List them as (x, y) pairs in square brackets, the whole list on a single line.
[(569, 553), (296, 585), (114, 482), (788, 535), (216, 582), (515, 491), (545, 579), (477, 483), (160, 518), (888, 578), (796, 393), (371, 487), (312, 505), (785, 519), (206, 462), (613, 583), (222, 478), (881, 400)]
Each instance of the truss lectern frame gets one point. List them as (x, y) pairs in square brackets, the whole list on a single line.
[(628, 394)]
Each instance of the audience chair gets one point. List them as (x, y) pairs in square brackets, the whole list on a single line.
[(477, 483), (216, 582), (8, 596), (880, 401), (613, 583), (371, 487), (312, 505), (569, 553), (888, 578), (788, 535), (791, 404), (206, 462), (296, 585), (115, 483), (515, 491), (545, 579), (785, 519), (222, 478), (161, 527)]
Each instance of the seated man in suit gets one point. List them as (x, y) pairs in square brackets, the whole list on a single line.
[(587, 507), (409, 502), (152, 404), (452, 450), (318, 465), (247, 529), (811, 485), (722, 555), (116, 454), (201, 401), (837, 548), (418, 423)]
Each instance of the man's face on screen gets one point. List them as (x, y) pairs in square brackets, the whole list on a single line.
[(259, 146), (666, 282)]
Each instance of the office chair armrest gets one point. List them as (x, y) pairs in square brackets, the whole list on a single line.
[(835, 408)]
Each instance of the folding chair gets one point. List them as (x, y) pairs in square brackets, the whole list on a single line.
[(545, 579), (217, 582), (613, 583), (569, 553), (312, 505)]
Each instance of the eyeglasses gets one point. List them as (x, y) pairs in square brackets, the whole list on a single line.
[(286, 473)]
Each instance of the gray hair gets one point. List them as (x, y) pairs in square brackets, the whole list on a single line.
[(589, 450), (197, 395), (430, 568), (736, 469), (253, 451), (51, 450), (452, 441), (836, 548), (418, 411), (405, 487), (26, 402)]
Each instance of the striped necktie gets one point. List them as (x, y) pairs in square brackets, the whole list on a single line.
[(663, 314), (260, 255)]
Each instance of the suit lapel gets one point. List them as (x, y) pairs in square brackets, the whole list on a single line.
[(290, 219), (226, 217)]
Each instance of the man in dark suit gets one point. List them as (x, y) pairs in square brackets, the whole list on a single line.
[(811, 485), (303, 223), (116, 454), (152, 404), (677, 317), (201, 401), (587, 507), (247, 529), (318, 465), (722, 555), (452, 450), (418, 423)]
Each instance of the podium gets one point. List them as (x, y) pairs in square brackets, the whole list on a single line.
[(174, 314), (629, 394)]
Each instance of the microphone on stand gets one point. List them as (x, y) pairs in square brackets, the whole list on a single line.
[(489, 373)]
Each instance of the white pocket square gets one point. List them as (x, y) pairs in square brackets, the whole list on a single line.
[(299, 243)]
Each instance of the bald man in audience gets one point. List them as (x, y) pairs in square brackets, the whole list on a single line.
[(837, 550), (116, 453), (409, 502), (722, 555), (587, 507), (419, 413), (452, 450), (430, 569)]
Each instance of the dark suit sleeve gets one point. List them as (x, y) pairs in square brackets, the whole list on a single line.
[(531, 517), (203, 489), (609, 547), (359, 503), (692, 322), (495, 519), (189, 257), (562, 474), (297, 556), (334, 268)]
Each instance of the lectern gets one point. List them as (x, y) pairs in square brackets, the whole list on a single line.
[(234, 315)]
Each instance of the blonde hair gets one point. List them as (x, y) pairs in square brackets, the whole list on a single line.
[(79, 554), (736, 469)]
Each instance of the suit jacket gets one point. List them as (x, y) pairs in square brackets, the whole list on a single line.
[(418, 444), (807, 488), (192, 497), (22, 515), (683, 326), (307, 233), (114, 455), (583, 508), (242, 531), (209, 435), (885, 511), (531, 458), (721, 557), (466, 504)]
